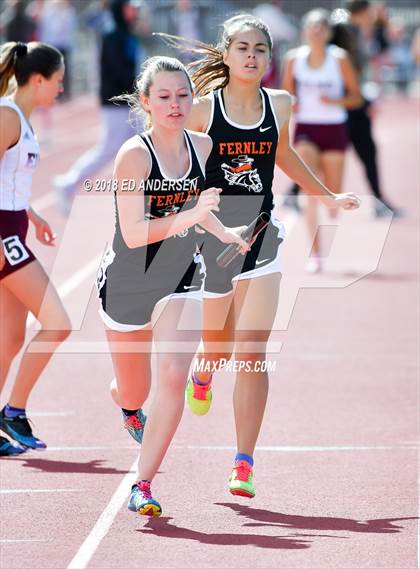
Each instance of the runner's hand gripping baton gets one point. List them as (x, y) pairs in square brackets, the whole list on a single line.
[(249, 235)]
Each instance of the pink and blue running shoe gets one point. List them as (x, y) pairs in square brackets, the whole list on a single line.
[(142, 502), (135, 424)]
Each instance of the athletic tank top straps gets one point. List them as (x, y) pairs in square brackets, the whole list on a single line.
[(17, 165), (242, 161), (132, 281), (164, 197)]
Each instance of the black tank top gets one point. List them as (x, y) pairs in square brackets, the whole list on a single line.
[(242, 162), (164, 196)]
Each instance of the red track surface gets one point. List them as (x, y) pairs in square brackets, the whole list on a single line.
[(336, 467)]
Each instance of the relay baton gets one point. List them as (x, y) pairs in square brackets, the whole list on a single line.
[(249, 235)]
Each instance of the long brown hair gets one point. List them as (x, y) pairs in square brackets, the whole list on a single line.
[(21, 60), (209, 72)]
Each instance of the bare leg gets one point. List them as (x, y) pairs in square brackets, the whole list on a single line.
[(33, 289), (255, 309), (218, 333), (310, 154), (172, 372), (332, 166), (12, 337), (132, 368)]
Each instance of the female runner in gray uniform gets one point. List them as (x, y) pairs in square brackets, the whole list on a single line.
[(150, 284)]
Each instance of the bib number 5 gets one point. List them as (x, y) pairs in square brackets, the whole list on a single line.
[(14, 250)]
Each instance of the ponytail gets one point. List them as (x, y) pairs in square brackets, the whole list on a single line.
[(9, 54), (21, 60)]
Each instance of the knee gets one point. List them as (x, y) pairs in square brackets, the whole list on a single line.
[(173, 375), (218, 351), (58, 329), (222, 358), (251, 351), (129, 396)]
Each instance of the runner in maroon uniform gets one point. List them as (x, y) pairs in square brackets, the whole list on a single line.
[(24, 286)]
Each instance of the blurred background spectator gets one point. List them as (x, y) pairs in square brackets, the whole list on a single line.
[(283, 32), (119, 63), (184, 20), (57, 25), (388, 46), (415, 51), (15, 23), (97, 17), (400, 53)]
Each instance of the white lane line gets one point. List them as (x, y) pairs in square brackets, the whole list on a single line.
[(304, 448), (400, 446), (88, 448), (38, 490), (104, 522), (53, 413), (73, 282), (272, 448)]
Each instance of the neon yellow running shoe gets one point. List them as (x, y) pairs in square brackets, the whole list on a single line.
[(198, 396), (241, 480)]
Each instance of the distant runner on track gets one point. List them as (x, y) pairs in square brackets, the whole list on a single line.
[(38, 70)]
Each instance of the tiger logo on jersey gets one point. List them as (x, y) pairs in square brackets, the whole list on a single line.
[(242, 174), (167, 211)]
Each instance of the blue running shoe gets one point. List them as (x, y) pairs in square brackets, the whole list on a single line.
[(142, 502), (9, 449), (20, 430), (135, 425)]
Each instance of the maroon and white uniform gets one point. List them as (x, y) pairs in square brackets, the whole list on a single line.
[(16, 170)]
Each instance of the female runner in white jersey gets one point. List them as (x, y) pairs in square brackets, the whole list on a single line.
[(325, 83), (241, 301), (150, 284), (38, 70)]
